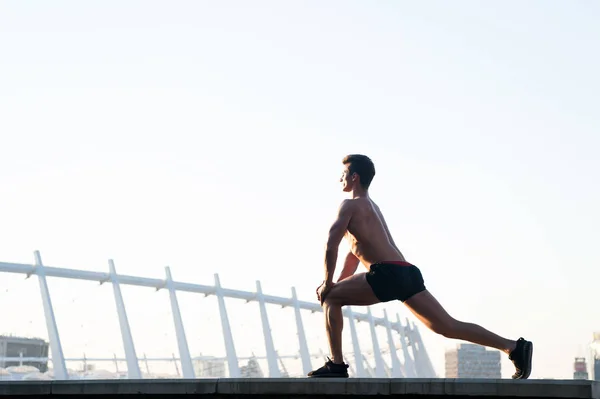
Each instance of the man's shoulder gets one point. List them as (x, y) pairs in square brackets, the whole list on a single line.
[(348, 205), (353, 204)]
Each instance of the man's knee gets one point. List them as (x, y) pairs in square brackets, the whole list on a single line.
[(332, 299)]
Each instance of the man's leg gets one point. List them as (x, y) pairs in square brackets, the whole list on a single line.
[(429, 311), (351, 291), (354, 290)]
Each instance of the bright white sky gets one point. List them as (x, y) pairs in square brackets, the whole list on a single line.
[(208, 137)]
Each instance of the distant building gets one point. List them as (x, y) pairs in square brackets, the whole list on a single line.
[(252, 370), (21, 347), (580, 371), (596, 356), (210, 368), (473, 361), (217, 368)]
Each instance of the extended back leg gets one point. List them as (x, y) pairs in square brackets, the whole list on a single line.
[(431, 313)]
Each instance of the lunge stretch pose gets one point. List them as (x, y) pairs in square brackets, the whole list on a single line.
[(389, 277)]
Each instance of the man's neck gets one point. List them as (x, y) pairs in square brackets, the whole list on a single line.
[(359, 193)]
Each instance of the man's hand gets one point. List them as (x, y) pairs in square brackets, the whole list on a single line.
[(323, 290)]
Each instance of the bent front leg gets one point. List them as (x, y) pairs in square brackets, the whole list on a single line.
[(334, 324), (354, 290)]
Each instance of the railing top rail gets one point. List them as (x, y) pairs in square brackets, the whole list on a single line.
[(102, 277)]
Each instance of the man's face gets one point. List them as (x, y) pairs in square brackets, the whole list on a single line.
[(347, 179)]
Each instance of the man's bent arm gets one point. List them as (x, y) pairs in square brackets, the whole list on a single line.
[(336, 233), (350, 266)]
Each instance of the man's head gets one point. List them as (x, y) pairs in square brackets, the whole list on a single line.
[(358, 172)]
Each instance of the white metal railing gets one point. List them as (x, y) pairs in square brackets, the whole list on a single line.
[(417, 365), (18, 362)]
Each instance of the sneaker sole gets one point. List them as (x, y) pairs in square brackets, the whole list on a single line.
[(328, 376), (528, 347)]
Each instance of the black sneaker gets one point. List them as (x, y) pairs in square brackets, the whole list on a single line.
[(521, 358), (330, 370)]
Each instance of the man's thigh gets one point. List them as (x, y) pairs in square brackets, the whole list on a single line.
[(352, 291)]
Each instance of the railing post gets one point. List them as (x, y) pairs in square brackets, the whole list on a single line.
[(58, 358), (269, 346), (232, 359), (379, 365), (410, 367), (360, 369), (396, 366), (184, 351), (133, 367), (304, 354), (419, 368), (423, 355)]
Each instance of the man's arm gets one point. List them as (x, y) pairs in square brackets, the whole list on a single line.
[(350, 266), (336, 233)]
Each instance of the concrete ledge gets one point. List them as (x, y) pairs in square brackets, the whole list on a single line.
[(307, 388)]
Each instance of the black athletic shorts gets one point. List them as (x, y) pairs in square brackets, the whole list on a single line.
[(395, 280)]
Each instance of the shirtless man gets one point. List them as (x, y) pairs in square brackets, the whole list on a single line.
[(389, 277)]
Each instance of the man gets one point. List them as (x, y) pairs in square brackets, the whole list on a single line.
[(389, 277)]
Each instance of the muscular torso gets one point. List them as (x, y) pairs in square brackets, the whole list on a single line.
[(368, 236)]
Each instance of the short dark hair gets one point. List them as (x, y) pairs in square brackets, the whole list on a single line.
[(362, 166)]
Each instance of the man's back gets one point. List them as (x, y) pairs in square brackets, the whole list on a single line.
[(368, 234)]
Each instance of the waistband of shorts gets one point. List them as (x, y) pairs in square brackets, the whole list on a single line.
[(394, 262)]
